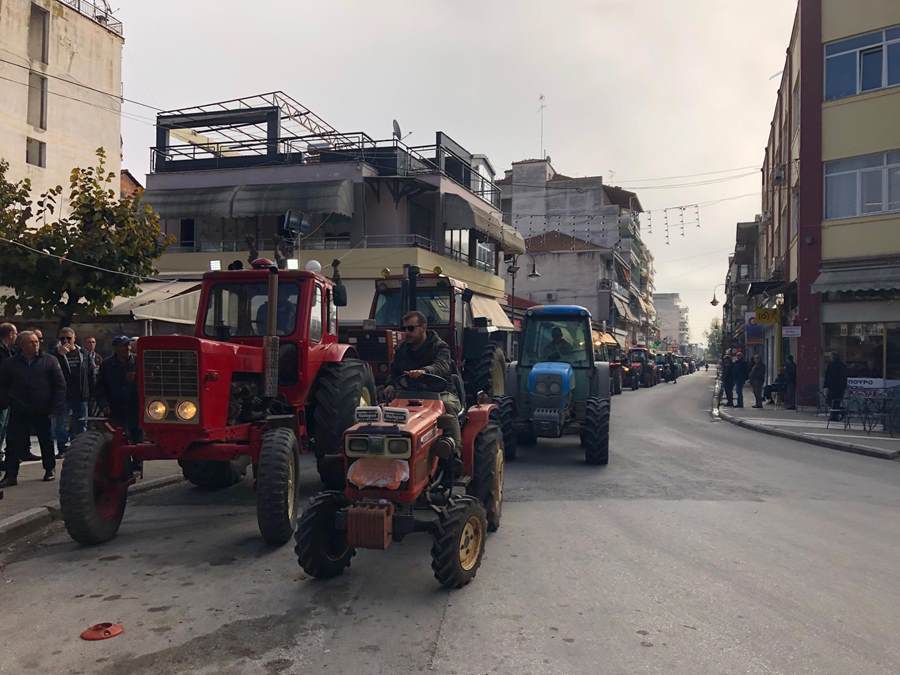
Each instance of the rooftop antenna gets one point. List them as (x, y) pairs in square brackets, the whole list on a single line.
[(397, 133), (541, 107)]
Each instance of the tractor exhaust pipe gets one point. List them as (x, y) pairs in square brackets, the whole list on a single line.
[(270, 341), (412, 278)]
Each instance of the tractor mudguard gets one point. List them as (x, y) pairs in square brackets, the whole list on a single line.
[(336, 352), (600, 380), (512, 378), (477, 418)]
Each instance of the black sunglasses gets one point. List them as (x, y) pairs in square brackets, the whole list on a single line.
[(65, 338), (410, 329)]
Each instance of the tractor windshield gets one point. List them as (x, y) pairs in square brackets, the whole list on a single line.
[(242, 309), (560, 339), (433, 302)]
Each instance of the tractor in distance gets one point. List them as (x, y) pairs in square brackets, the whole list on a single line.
[(408, 471), (557, 386), (478, 346), (262, 379)]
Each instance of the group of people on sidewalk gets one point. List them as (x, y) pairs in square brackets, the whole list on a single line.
[(735, 372), (50, 392)]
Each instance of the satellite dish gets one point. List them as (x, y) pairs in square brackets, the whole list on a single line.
[(397, 134)]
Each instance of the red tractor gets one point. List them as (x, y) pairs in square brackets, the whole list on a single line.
[(407, 471), (250, 387), (478, 347)]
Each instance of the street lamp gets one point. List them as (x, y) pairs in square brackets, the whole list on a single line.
[(714, 300), (533, 274)]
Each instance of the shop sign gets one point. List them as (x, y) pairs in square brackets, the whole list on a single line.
[(790, 331), (753, 332), (865, 382), (765, 315)]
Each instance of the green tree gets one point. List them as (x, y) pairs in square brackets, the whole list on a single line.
[(713, 336), (77, 264)]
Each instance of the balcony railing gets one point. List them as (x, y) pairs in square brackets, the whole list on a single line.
[(98, 14), (317, 244)]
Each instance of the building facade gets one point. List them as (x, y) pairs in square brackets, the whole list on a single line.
[(60, 88), (264, 171), (674, 328), (828, 240), (593, 227)]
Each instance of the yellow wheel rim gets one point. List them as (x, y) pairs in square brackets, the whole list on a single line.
[(364, 397), (470, 543), (291, 490), (498, 478)]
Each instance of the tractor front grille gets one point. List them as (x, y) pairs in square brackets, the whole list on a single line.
[(170, 373)]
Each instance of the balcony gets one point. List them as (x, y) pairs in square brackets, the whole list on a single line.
[(97, 14)]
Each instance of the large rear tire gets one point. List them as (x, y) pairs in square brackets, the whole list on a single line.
[(92, 502), (277, 485), (459, 542), (487, 373), (211, 475), (340, 388), (322, 550), (617, 382), (595, 436), (506, 418), (487, 483)]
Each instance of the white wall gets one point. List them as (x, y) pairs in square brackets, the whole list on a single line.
[(79, 120)]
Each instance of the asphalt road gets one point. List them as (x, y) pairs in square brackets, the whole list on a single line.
[(701, 548)]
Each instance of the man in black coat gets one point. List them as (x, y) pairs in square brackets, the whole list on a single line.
[(835, 384), (80, 375), (8, 335), (790, 383), (739, 371), (728, 380), (33, 388), (117, 393)]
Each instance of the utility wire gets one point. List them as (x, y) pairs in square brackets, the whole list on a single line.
[(76, 262)]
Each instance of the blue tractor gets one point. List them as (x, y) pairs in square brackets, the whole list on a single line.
[(557, 387)]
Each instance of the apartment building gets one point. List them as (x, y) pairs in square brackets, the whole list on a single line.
[(232, 176), (60, 88), (673, 317), (586, 235), (828, 241)]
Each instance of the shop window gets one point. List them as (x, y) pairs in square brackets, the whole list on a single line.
[(892, 331), (860, 346)]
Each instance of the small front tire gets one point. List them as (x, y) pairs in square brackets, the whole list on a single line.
[(322, 550), (277, 485), (459, 542)]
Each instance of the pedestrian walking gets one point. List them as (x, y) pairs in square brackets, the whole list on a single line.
[(790, 383), (728, 380), (33, 388), (8, 335), (739, 373), (117, 394), (835, 385), (757, 379), (78, 368)]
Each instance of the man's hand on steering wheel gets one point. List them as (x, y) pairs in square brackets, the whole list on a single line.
[(415, 374)]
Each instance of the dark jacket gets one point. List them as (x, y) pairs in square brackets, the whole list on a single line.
[(836, 379), (433, 356), (117, 388), (80, 387), (739, 370), (6, 352), (727, 373), (790, 372), (758, 373), (37, 387)]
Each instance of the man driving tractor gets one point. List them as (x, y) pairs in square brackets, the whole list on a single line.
[(423, 352), (557, 347)]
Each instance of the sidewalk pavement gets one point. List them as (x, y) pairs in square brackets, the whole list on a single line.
[(806, 426), (34, 504)]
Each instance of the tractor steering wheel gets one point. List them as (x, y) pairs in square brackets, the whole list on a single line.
[(428, 382)]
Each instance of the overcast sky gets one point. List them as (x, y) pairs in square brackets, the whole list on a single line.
[(635, 90)]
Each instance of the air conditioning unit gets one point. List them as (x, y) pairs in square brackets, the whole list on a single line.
[(551, 297)]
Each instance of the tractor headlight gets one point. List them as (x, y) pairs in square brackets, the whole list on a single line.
[(398, 446), (156, 410), (541, 387), (555, 388), (357, 444), (186, 410)]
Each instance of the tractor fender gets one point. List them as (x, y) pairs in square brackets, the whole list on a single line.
[(600, 380), (512, 378), (335, 352), (477, 418)]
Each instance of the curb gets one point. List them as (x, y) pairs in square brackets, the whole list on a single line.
[(866, 450), (32, 520)]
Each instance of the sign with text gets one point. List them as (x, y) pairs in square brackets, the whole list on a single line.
[(790, 331), (766, 316)]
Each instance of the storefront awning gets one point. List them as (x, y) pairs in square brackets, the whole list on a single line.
[(198, 203), (490, 309), (608, 339), (247, 201), (625, 310), (334, 196), (178, 309), (862, 279), (512, 242)]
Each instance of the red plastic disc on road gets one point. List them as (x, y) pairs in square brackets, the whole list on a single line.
[(102, 631)]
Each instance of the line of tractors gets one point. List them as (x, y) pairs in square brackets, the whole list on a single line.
[(268, 375)]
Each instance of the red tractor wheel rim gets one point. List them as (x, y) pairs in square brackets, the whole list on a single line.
[(106, 494)]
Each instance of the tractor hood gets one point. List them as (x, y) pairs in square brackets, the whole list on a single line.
[(550, 373)]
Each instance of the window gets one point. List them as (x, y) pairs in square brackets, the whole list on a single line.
[(561, 339), (38, 29), (457, 244), (242, 310), (795, 212), (331, 310), (862, 185), (862, 63), (795, 106), (37, 100), (433, 302), (35, 152), (186, 233), (315, 315)]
